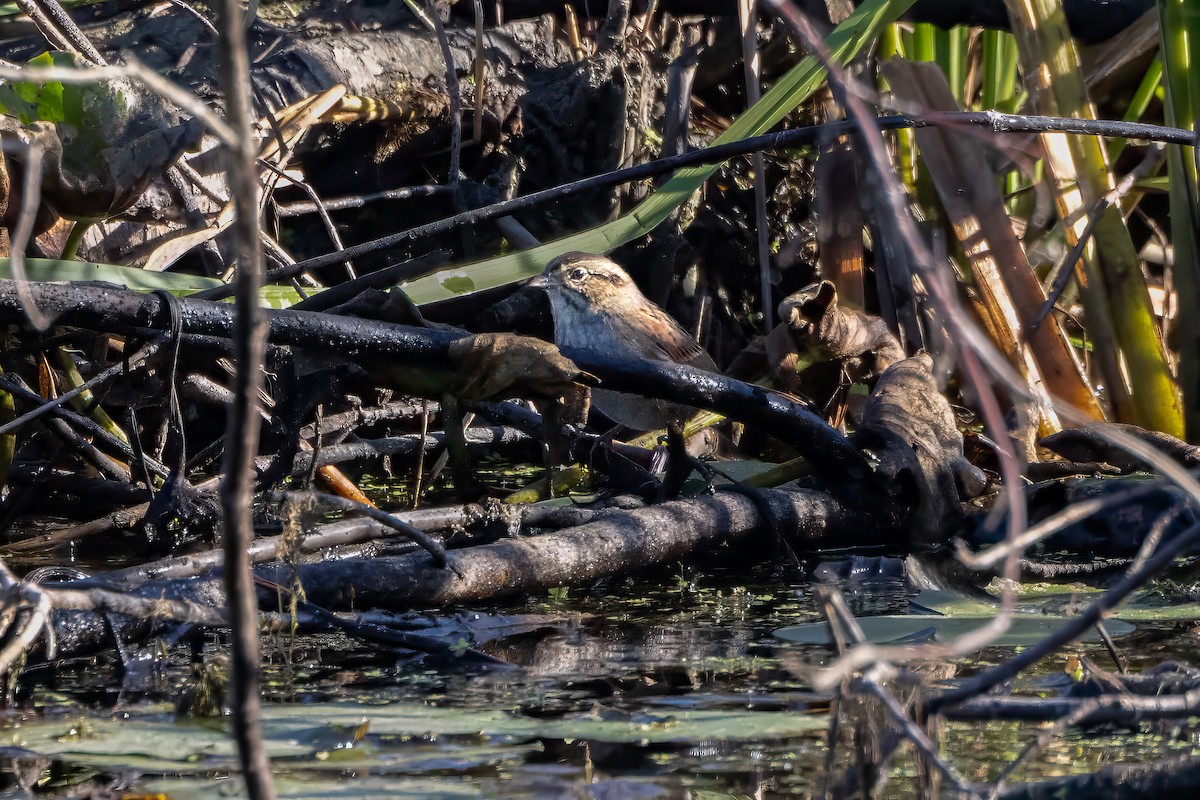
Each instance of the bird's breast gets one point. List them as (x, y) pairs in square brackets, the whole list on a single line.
[(591, 331)]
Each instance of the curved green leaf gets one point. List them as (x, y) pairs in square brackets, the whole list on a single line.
[(844, 43), (50, 270)]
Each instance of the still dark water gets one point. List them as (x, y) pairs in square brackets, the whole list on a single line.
[(670, 685)]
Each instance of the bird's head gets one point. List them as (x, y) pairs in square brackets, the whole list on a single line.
[(587, 280)]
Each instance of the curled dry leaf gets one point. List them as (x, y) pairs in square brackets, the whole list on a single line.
[(823, 331), (920, 454), (503, 364)]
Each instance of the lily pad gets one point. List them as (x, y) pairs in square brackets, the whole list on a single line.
[(1025, 629), (329, 736), (608, 726)]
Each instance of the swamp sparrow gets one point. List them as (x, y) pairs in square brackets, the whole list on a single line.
[(597, 306)]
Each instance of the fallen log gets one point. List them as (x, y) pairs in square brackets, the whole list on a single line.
[(623, 543), (620, 542)]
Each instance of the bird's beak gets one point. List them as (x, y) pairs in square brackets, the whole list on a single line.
[(540, 282)]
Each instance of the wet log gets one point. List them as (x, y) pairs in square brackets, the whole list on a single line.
[(631, 542), (428, 350), (618, 543), (908, 427)]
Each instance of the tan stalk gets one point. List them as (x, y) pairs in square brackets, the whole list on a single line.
[(974, 208), (1115, 297)]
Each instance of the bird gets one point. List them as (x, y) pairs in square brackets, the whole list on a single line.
[(597, 306)]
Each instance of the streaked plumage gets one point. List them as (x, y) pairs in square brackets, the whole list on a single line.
[(597, 306)]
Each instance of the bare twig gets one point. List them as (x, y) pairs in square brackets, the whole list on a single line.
[(22, 232), (268, 548), (455, 93), (1121, 708), (302, 207), (53, 22), (330, 229), (53, 36), (480, 75), (1154, 538), (97, 380), (30, 596), (748, 20), (244, 422), (106, 600), (97, 433), (190, 9), (912, 732), (419, 472), (1062, 272)]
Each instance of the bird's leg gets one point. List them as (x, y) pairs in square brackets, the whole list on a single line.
[(624, 473), (759, 499), (710, 474), (679, 463)]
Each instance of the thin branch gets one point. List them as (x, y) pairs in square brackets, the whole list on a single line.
[(49, 16), (22, 232), (108, 601), (797, 137), (455, 92), (29, 595), (751, 63), (1062, 272), (50, 32), (912, 732), (480, 76), (97, 380), (342, 533), (423, 540), (302, 207), (243, 423)]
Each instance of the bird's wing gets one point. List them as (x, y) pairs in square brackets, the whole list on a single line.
[(679, 347)]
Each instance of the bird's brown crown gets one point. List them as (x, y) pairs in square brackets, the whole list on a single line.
[(595, 277)]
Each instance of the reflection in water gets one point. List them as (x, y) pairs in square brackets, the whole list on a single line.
[(643, 653)]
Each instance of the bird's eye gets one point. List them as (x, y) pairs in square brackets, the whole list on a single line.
[(578, 273)]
